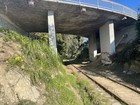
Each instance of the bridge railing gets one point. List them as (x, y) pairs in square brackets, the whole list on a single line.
[(106, 5)]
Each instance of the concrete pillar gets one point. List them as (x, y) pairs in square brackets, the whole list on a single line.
[(92, 47), (51, 31), (107, 37)]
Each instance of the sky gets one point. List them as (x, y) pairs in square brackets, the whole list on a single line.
[(133, 4)]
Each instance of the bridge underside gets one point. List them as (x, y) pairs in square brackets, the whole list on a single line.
[(69, 19)]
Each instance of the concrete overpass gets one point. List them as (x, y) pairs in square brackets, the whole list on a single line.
[(79, 17)]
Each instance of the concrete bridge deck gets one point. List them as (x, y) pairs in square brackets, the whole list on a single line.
[(69, 17), (80, 17)]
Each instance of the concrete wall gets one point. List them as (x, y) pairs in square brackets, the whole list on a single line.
[(7, 23), (129, 30)]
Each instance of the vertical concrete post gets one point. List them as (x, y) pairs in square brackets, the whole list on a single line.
[(51, 31), (92, 47), (107, 38)]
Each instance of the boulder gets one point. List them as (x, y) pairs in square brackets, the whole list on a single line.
[(105, 58), (135, 66), (15, 86), (126, 67)]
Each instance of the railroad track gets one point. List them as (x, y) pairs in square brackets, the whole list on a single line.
[(125, 85), (117, 94)]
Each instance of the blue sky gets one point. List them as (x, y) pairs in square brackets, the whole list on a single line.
[(133, 4)]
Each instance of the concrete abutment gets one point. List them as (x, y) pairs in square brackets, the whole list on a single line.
[(8, 24)]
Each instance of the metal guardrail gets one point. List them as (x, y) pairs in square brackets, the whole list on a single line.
[(106, 5)]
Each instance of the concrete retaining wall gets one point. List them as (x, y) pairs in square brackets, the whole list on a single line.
[(7, 23), (131, 34)]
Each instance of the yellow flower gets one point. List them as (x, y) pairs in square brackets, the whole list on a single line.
[(19, 58), (7, 61)]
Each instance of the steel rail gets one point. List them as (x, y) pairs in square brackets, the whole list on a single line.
[(109, 92), (116, 96)]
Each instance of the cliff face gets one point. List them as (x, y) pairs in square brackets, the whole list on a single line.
[(15, 86)]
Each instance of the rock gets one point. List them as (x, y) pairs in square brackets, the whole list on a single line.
[(106, 58), (25, 91), (126, 66), (130, 73), (13, 77), (135, 66), (125, 72), (6, 92), (22, 86), (16, 86), (137, 62), (138, 47), (131, 68), (120, 47), (2, 68), (138, 59)]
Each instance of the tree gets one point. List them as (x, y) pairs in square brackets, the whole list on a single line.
[(39, 36), (67, 45), (73, 44), (61, 46)]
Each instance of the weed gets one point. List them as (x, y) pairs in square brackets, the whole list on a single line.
[(38, 61), (60, 87), (43, 65), (89, 96), (26, 102)]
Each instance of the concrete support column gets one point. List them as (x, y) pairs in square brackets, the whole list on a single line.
[(107, 37), (51, 31), (92, 47)]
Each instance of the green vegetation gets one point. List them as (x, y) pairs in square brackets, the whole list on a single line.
[(69, 45), (44, 66), (89, 95), (37, 59), (60, 87), (39, 36), (86, 96), (83, 55), (130, 52), (73, 46), (61, 46)]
